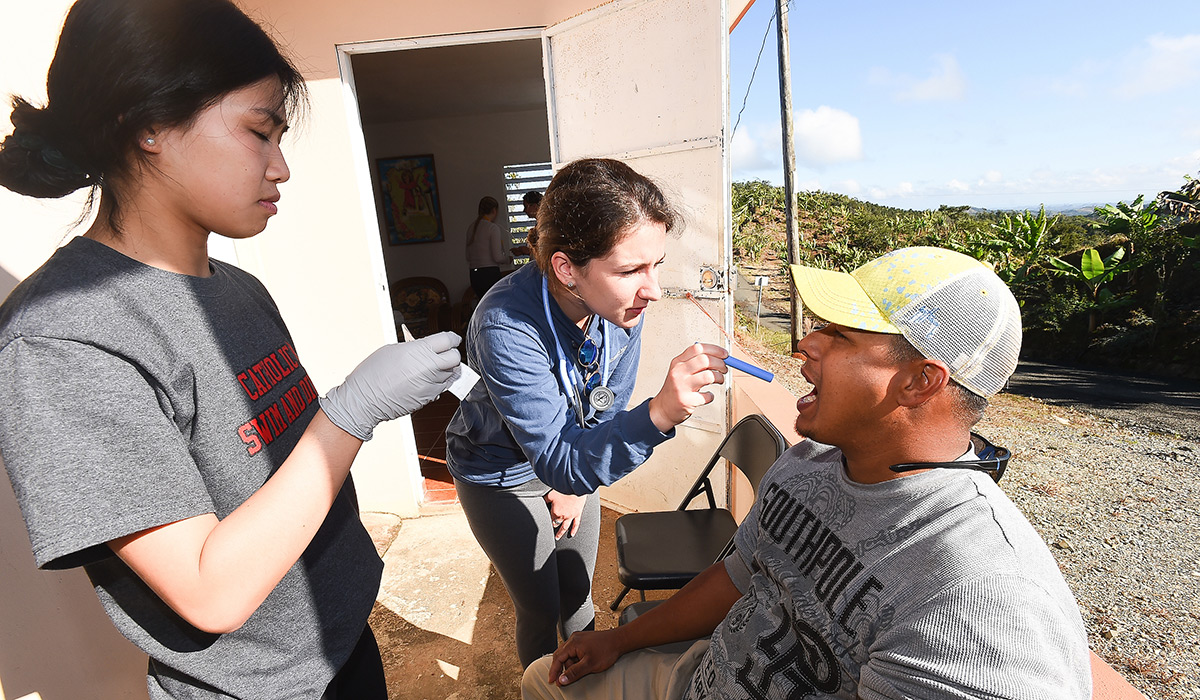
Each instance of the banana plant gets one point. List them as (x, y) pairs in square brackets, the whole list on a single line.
[(1023, 243), (1093, 273), (1183, 207), (1136, 221)]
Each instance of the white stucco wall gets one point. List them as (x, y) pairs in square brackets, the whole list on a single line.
[(55, 639)]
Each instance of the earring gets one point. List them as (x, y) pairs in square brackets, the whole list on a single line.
[(570, 285), (150, 141)]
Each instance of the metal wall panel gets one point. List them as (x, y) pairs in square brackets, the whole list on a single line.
[(643, 81)]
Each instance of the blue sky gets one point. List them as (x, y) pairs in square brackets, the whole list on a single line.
[(995, 105)]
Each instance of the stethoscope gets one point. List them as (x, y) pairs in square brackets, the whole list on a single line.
[(600, 398)]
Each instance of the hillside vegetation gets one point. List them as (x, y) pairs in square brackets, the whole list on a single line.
[(1119, 288)]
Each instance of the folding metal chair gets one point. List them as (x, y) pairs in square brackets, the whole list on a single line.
[(666, 549)]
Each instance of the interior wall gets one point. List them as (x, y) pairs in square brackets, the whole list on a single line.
[(469, 155)]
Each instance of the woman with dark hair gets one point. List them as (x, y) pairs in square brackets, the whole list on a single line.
[(485, 247), (557, 344), (155, 420)]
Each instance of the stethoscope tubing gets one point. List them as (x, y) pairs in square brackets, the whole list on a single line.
[(566, 371)]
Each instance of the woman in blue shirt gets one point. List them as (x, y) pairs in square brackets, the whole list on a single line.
[(557, 345)]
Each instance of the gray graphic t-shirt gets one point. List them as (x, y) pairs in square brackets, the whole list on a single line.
[(928, 586)]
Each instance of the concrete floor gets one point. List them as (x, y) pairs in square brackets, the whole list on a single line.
[(443, 619)]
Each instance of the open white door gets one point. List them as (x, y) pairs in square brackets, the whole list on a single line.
[(644, 81)]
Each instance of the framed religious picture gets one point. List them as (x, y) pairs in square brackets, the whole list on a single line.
[(411, 209)]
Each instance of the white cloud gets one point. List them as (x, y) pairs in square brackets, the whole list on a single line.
[(1079, 82), (1181, 165), (1071, 86), (947, 82), (1162, 65), (755, 148), (826, 136), (1040, 185)]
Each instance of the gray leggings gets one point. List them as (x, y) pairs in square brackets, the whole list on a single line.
[(549, 581)]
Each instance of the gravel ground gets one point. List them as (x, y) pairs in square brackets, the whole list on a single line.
[(1118, 505)]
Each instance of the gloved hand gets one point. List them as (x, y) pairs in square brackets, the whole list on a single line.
[(393, 381)]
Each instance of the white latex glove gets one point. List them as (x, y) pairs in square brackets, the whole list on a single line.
[(393, 381)]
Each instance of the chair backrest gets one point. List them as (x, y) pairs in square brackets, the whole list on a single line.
[(752, 445), (423, 301)]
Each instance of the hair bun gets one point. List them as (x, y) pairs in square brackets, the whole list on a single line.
[(30, 165)]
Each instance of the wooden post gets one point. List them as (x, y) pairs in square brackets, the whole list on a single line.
[(789, 161)]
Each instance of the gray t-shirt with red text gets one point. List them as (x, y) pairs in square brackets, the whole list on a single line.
[(132, 397)]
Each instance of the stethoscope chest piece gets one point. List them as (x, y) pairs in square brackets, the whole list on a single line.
[(601, 398)]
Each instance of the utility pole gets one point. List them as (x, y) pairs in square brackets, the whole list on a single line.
[(789, 160)]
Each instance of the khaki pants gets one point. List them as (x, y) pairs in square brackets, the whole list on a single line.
[(646, 673)]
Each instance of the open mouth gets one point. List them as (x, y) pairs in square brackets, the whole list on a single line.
[(811, 395)]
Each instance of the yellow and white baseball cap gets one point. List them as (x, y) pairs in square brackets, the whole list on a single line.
[(950, 306)]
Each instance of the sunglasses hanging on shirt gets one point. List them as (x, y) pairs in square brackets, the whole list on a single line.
[(990, 459), (591, 359), (599, 396)]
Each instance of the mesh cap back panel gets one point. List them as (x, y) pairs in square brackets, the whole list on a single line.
[(972, 323)]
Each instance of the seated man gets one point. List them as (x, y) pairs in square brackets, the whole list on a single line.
[(880, 559)]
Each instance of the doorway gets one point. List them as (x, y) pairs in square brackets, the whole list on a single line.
[(463, 111), (606, 82)]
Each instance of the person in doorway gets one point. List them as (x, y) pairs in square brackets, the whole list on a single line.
[(880, 558), (485, 247), (529, 204), (156, 423), (557, 345)]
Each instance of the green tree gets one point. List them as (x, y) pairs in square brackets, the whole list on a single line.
[(1094, 273), (754, 204)]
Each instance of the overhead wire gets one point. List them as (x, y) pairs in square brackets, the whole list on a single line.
[(770, 23)]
